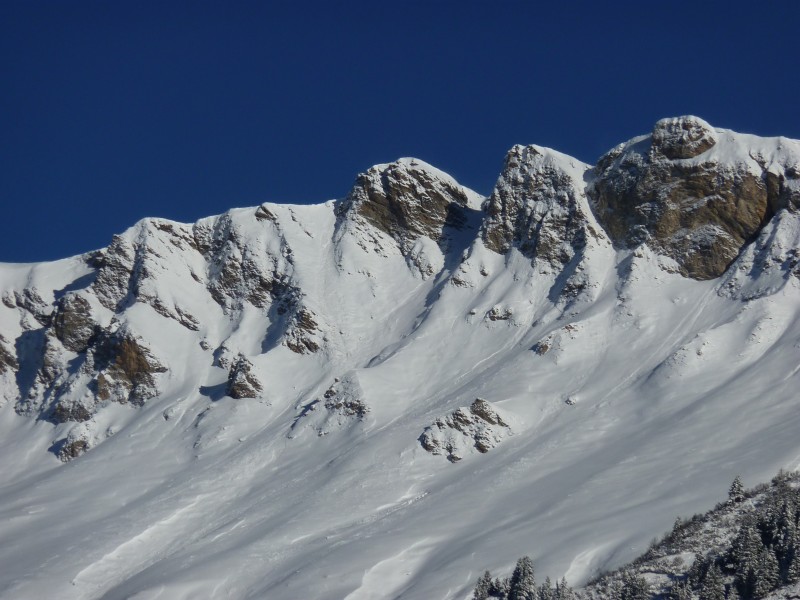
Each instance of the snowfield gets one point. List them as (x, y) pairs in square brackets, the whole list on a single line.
[(626, 401)]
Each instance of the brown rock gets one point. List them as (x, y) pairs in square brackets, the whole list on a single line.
[(73, 324), (242, 382), (699, 214)]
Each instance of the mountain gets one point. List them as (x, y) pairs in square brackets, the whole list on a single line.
[(382, 396)]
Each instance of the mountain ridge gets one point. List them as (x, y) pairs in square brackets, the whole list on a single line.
[(349, 342)]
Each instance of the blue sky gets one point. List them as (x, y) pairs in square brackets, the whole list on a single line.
[(113, 111)]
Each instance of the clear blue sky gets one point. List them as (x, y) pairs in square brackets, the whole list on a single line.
[(112, 111)]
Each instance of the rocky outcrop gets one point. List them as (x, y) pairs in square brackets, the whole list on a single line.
[(411, 202), (700, 211), (73, 324), (479, 427), (8, 359), (538, 207), (682, 137), (238, 272), (242, 382), (303, 335), (125, 369), (342, 405), (407, 199)]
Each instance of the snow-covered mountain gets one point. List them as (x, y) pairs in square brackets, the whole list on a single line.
[(384, 395)]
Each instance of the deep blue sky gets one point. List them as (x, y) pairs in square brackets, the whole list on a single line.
[(112, 111)]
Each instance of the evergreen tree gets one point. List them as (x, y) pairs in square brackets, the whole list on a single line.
[(736, 491), (634, 587), (698, 570), (712, 588), (483, 587), (744, 552), (546, 590), (499, 588), (680, 590), (766, 575), (733, 594), (522, 585), (793, 564), (563, 591)]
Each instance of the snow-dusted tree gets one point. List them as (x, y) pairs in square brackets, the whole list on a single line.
[(546, 590), (483, 587), (634, 587), (563, 591), (793, 564), (736, 491), (499, 588), (733, 594), (680, 590), (522, 585), (745, 550), (713, 587), (767, 574)]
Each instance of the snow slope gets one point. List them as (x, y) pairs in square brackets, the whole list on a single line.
[(629, 394)]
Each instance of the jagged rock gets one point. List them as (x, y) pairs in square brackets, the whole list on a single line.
[(72, 449), (408, 200), (479, 427), (341, 399), (242, 382), (698, 213), (302, 336), (342, 405), (264, 214), (499, 314), (237, 272), (113, 281), (66, 410), (682, 137), (125, 369), (30, 301), (73, 324), (538, 207), (8, 359)]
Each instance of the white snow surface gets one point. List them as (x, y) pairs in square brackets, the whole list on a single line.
[(653, 393)]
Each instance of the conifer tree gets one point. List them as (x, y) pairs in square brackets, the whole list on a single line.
[(793, 566), (563, 591), (712, 588), (680, 590), (522, 585), (546, 590), (736, 491), (634, 587), (767, 574), (483, 587)]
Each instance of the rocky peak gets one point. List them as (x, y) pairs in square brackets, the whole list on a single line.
[(538, 206), (408, 199), (691, 193), (682, 137)]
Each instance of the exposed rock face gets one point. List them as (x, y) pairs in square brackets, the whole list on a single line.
[(537, 207), (126, 369), (682, 137), (8, 360), (113, 281), (73, 324), (302, 335), (342, 405), (406, 200), (698, 212), (480, 427), (242, 382), (345, 399), (411, 202)]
